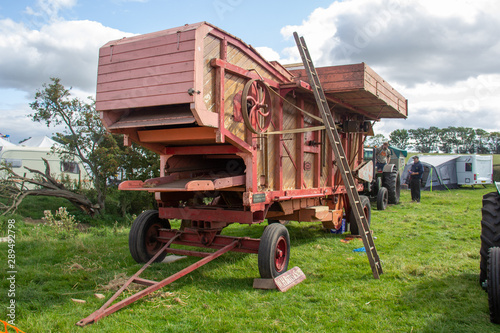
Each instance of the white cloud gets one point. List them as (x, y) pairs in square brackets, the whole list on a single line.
[(64, 49), (441, 55), (50, 9), (268, 53)]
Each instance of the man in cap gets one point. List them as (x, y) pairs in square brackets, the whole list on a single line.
[(383, 156), (416, 173)]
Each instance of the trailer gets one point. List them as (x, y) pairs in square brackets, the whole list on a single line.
[(240, 140), (475, 170)]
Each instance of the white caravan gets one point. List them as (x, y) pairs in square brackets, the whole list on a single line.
[(475, 170), (18, 158)]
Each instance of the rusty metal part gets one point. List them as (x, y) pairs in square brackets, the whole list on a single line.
[(108, 309), (256, 106)]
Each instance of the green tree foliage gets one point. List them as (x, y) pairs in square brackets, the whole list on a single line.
[(426, 139), (461, 140), (83, 135), (376, 141), (399, 138)]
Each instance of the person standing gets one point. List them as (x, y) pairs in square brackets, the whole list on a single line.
[(383, 156), (416, 173)]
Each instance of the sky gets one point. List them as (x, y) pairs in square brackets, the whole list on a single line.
[(442, 55)]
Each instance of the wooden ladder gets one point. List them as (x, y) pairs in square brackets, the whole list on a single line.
[(340, 158)]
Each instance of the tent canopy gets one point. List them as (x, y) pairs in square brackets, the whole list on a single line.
[(40, 141), (5, 143), (440, 171)]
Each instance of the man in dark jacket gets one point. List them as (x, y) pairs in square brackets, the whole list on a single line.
[(416, 173)]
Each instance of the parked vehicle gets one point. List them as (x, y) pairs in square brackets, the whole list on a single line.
[(240, 140), (384, 186), (489, 276)]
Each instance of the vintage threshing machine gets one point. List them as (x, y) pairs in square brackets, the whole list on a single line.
[(240, 140)]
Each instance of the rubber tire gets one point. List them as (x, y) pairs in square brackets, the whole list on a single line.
[(382, 198), (392, 181), (494, 284), (137, 240), (490, 230), (274, 235), (365, 203)]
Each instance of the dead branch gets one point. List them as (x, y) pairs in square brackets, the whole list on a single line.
[(14, 189)]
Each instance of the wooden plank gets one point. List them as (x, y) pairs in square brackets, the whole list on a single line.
[(266, 284), (179, 57), (289, 279), (141, 53), (177, 134), (150, 81), (173, 68), (143, 102), (130, 45), (180, 88)]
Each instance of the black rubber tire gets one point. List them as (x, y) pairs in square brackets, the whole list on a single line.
[(274, 251), (490, 230), (142, 241), (494, 284), (392, 182), (382, 198), (365, 203)]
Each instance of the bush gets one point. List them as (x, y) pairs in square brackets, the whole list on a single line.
[(62, 225)]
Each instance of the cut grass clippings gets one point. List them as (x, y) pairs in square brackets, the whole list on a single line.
[(429, 251)]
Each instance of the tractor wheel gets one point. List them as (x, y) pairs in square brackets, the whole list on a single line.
[(494, 284), (382, 198), (490, 230), (142, 241), (274, 251), (392, 182), (365, 203)]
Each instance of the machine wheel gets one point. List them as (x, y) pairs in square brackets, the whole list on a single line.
[(494, 284), (392, 182), (142, 240), (365, 203), (382, 198), (274, 251), (490, 230), (256, 106)]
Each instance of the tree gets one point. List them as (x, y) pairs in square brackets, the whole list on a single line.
[(376, 141), (494, 142), (448, 139), (399, 138), (426, 139), (83, 135), (482, 141)]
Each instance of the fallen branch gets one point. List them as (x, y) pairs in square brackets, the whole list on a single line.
[(14, 189)]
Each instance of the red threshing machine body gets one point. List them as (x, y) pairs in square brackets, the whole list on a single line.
[(181, 93), (240, 140)]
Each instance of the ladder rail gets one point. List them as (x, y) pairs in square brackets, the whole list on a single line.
[(340, 158)]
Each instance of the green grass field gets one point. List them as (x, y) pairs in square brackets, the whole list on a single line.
[(430, 255)]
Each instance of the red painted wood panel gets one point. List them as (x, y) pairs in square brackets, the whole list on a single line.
[(164, 89), (144, 62), (133, 44), (148, 81), (147, 72), (144, 102)]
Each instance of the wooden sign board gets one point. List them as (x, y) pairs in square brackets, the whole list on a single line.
[(283, 282), (289, 279)]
